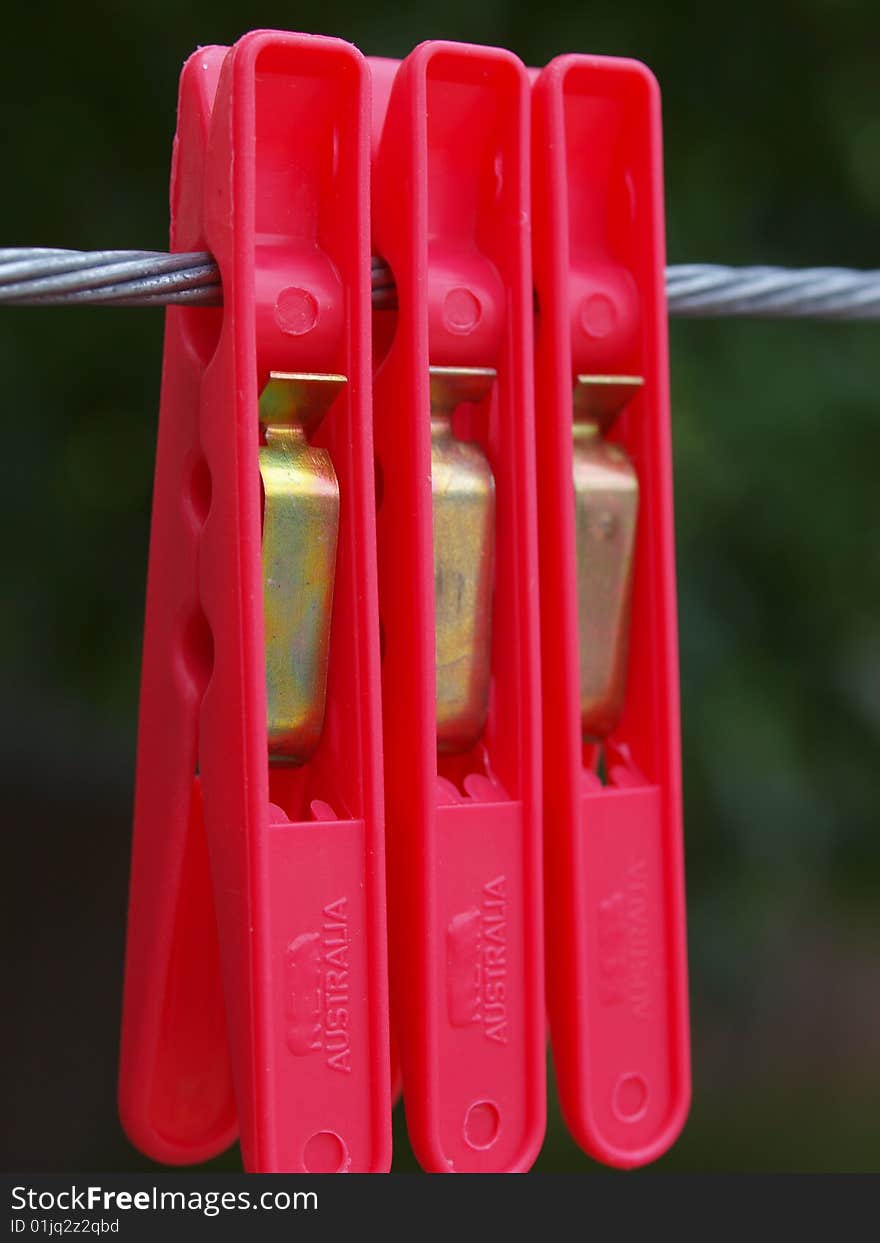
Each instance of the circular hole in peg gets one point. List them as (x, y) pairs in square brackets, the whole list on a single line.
[(379, 476), (325, 1153)]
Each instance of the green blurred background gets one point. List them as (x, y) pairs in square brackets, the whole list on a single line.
[(772, 124)]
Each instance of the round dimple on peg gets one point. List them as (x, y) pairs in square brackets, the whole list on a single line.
[(325, 1153), (461, 310), (630, 1100), (482, 1123), (604, 319), (296, 311), (466, 308), (299, 308), (598, 315)]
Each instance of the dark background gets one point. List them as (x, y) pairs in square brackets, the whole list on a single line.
[(772, 123)]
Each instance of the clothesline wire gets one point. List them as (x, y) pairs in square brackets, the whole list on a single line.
[(38, 276)]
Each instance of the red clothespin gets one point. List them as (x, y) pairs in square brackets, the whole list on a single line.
[(615, 929), (261, 655), (458, 603)]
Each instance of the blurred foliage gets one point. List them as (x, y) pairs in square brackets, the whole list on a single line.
[(772, 132)]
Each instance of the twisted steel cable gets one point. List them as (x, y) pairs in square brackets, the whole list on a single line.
[(40, 277), (31, 276), (704, 289)]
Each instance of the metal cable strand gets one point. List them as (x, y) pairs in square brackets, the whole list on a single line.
[(703, 289), (31, 276)]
